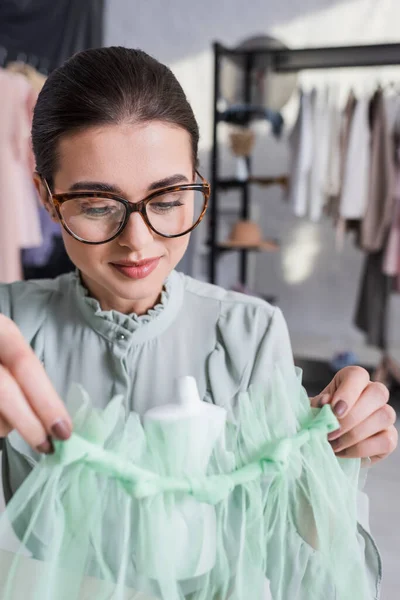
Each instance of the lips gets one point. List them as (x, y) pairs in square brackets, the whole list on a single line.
[(136, 270), (134, 263)]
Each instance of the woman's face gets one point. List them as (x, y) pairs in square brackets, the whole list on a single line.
[(131, 160)]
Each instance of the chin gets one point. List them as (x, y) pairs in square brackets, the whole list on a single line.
[(136, 290)]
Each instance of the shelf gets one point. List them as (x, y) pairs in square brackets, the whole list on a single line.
[(333, 57), (242, 116), (275, 246), (230, 183)]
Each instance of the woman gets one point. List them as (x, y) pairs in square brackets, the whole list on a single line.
[(116, 143)]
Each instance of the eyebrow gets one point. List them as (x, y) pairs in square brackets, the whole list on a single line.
[(97, 186), (167, 181)]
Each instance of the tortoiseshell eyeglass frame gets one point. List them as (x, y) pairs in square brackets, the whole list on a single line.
[(130, 207)]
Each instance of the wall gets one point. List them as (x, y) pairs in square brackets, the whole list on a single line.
[(316, 286)]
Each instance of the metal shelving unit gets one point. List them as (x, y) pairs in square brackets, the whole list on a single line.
[(278, 60)]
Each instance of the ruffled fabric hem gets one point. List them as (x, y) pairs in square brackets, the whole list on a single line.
[(159, 509)]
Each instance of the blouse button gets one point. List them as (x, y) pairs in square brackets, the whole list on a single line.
[(120, 336)]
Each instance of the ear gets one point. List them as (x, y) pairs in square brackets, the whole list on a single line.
[(45, 199)]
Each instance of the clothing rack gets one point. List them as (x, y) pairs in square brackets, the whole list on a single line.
[(280, 60)]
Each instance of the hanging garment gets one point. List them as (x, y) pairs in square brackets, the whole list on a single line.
[(301, 151), (391, 264), (258, 495), (392, 108), (353, 201), (344, 121), (311, 149), (378, 217), (50, 258), (321, 124), (36, 79), (19, 223), (333, 167), (373, 301), (40, 255)]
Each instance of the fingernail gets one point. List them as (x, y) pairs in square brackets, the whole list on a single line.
[(324, 399), (61, 430), (335, 444), (45, 447), (340, 408), (333, 434)]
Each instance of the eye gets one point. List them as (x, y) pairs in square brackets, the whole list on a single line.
[(94, 210), (167, 203), (97, 208)]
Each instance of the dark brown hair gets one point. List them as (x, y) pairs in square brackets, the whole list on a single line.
[(106, 86)]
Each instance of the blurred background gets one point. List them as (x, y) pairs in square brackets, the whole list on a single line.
[(303, 159)]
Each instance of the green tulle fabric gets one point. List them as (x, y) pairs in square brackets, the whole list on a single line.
[(119, 512)]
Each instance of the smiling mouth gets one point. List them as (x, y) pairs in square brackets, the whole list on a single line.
[(136, 270), (134, 263)]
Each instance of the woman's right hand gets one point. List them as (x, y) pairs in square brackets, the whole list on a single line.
[(28, 401)]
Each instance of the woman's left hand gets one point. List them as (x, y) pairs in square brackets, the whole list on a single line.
[(366, 419)]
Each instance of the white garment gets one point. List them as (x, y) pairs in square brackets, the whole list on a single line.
[(321, 124), (301, 149), (313, 141), (354, 198), (333, 173)]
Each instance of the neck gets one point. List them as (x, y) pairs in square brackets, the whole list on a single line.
[(108, 301)]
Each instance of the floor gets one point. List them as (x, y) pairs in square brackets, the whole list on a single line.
[(323, 347), (383, 488)]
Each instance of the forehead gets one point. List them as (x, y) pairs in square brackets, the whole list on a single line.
[(131, 156)]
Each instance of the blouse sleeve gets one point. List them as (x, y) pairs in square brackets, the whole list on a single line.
[(272, 350), (5, 308), (252, 338), (25, 303)]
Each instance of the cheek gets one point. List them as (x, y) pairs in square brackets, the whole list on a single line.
[(176, 248), (82, 254), (85, 255)]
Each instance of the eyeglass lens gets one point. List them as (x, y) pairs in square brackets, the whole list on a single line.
[(99, 219)]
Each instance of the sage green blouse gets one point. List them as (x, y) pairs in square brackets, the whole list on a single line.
[(226, 340)]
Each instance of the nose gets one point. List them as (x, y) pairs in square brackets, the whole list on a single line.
[(137, 234)]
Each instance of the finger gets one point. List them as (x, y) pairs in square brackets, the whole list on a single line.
[(377, 447), (22, 363), (320, 400), (374, 397), (379, 457), (351, 382), (18, 414), (376, 423)]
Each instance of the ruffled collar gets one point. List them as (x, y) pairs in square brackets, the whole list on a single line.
[(121, 318), (112, 322)]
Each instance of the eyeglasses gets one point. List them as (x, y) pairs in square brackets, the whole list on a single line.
[(99, 217)]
